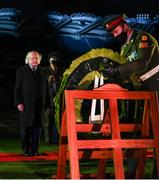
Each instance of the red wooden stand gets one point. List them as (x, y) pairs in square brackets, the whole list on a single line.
[(112, 147)]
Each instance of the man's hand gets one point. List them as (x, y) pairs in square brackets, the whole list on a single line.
[(20, 107)]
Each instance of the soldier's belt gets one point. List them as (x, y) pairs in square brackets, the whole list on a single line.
[(150, 73)]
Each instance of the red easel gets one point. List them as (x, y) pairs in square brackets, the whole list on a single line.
[(100, 149)]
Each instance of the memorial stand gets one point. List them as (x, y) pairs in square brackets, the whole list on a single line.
[(113, 146)]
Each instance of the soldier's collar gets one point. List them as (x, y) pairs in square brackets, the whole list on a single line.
[(130, 37)]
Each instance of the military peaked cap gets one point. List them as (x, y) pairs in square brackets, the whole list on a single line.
[(114, 21)]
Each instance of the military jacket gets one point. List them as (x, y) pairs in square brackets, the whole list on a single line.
[(141, 46), (141, 54)]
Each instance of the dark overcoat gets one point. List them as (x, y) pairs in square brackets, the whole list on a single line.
[(30, 90)]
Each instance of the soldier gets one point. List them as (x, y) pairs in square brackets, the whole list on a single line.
[(140, 50), (53, 76)]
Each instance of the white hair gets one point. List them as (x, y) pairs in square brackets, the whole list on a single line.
[(29, 55)]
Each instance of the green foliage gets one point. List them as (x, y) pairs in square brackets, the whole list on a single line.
[(59, 98)]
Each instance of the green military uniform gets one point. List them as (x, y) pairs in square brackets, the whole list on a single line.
[(141, 54)]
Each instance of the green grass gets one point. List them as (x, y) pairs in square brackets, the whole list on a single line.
[(12, 145), (9, 142), (45, 169), (27, 170)]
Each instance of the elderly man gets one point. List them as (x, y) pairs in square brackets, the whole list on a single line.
[(30, 93)]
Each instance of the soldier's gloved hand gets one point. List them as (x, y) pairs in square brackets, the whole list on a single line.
[(109, 71)]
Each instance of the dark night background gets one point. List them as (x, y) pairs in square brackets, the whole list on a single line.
[(13, 49)]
